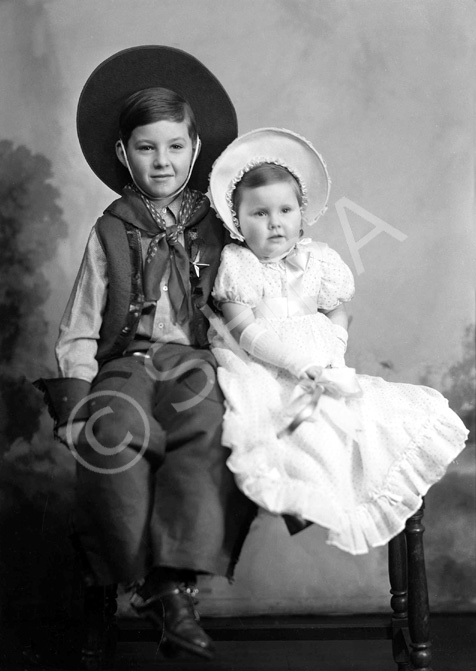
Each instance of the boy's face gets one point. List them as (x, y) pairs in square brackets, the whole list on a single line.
[(159, 155), (270, 219)]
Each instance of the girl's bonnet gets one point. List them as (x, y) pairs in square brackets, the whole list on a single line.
[(269, 145), (143, 67)]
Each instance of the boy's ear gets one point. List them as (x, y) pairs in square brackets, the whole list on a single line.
[(120, 153)]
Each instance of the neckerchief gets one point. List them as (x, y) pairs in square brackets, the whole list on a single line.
[(164, 248)]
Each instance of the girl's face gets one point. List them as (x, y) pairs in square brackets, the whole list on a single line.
[(270, 219), (159, 155)]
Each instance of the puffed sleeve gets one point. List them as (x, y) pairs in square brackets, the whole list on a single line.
[(337, 284), (239, 278)]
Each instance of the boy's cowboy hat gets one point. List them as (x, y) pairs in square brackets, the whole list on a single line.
[(143, 67), (269, 145)]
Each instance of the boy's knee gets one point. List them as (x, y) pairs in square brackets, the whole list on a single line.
[(117, 425), (110, 432)]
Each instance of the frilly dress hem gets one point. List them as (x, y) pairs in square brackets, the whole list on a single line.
[(383, 515)]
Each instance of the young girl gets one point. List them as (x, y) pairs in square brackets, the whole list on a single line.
[(372, 448)]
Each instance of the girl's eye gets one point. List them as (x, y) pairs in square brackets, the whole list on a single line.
[(145, 147), (177, 146)]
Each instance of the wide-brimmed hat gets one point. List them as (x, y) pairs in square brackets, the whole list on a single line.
[(144, 67), (269, 145)]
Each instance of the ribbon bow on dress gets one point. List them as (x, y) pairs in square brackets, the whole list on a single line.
[(296, 301), (325, 395)]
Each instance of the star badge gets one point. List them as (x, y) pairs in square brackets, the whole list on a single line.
[(197, 265)]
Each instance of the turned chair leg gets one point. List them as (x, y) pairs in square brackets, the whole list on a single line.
[(397, 571), (418, 604), (100, 635)]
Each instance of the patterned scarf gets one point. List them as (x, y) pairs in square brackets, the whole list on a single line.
[(165, 247)]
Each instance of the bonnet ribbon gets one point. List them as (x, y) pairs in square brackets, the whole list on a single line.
[(325, 395), (295, 263)]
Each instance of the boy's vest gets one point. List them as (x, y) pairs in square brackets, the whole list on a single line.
[(119, 234)]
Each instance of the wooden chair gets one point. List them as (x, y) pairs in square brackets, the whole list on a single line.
[(406, 625)]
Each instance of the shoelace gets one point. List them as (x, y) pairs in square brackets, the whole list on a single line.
[(192, 592)]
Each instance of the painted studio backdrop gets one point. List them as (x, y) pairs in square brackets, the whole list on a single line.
[(385, 90)]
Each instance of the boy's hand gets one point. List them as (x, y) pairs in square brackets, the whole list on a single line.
[(76, 429)]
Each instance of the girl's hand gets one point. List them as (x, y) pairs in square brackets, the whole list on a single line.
[(76, 429), (313, 372)]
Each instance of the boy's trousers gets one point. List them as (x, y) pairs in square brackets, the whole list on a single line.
[(153, 488)]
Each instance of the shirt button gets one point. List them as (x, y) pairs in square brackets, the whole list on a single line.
[(161, 326), (165, 288), (164, 210)]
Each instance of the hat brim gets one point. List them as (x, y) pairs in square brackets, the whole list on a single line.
[(138, 68), (270, 145)]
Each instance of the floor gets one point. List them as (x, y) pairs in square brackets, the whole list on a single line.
[(453, 636)]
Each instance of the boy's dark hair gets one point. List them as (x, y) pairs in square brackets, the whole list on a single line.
[(155, 104), (262, 175)]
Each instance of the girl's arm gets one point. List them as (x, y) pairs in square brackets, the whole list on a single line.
[(340, 322), (262, 342), (338, 316)]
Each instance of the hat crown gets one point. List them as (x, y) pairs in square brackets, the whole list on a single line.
[(151, 66)]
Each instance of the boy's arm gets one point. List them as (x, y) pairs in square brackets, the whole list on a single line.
[(76, 346)]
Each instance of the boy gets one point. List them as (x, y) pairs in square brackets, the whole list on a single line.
[(137, 399)]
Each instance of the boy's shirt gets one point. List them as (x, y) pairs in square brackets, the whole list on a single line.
[(76, 346), (102, 316)]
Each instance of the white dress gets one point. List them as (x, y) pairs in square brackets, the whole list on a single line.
[(361, 484)]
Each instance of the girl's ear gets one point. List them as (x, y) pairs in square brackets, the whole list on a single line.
[(120, 153)]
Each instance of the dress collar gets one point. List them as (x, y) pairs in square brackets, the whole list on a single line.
[(297, 247)]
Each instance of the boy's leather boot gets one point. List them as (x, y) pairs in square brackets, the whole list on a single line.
[(167, 599)]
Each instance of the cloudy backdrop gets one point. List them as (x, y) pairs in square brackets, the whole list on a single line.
[(385, 91)]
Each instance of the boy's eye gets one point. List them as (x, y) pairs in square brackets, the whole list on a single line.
[(177, 146)]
